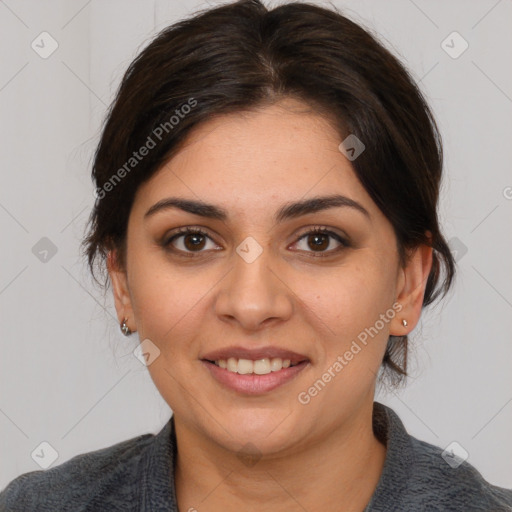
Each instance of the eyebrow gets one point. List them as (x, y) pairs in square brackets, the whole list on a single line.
[(287, 211)]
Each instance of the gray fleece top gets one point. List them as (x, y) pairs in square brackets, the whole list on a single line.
[(138, 475)]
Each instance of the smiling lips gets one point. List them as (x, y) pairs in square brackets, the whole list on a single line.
[(254, 371), (260, 361)]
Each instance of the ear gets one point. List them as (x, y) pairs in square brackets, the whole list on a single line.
[(411, 284), (122, 297)]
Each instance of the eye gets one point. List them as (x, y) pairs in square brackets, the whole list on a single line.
[(188, 240), (319, 240)]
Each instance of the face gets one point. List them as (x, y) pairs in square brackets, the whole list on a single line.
[(261, 284)]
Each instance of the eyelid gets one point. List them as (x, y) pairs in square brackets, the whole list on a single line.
[(323, 229), (343, 240), (185, 230)]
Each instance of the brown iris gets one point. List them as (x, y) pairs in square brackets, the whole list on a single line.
[(321, 241), (198, 241)]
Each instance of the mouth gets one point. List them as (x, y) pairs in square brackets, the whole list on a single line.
[(254, 371)]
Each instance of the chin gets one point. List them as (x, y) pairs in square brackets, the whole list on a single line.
[(264, 429)]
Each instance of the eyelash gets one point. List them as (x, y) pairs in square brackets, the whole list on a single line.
[(181, 232)]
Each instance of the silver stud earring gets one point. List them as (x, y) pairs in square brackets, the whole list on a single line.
[(404, 322), (124, 328)]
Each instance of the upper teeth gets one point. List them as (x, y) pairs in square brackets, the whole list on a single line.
[(259, 367)]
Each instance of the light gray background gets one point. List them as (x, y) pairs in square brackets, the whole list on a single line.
[(68, 376)]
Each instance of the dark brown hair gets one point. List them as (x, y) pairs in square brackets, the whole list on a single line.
[(242, 56)]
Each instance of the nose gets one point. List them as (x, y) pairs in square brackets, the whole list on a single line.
[(254, 295)]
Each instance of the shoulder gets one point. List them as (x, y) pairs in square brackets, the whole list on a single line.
[(81, 481), (421, 476), (449, 483)]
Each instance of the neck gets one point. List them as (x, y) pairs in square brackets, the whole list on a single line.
[(340, 472)]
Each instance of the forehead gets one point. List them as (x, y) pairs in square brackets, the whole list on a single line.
[(253, 159)]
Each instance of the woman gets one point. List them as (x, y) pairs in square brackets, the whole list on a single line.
[(267, 186)]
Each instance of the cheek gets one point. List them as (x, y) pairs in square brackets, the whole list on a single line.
[(168, 302), (350, 301), (347, 299)]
